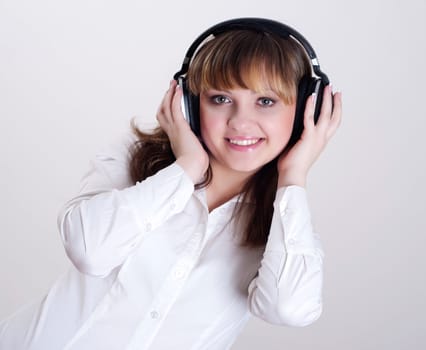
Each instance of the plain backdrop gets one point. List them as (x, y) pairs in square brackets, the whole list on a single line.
[(73, 74)]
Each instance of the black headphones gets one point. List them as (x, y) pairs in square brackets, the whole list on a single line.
[(307, 85)]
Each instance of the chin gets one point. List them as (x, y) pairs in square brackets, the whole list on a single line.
[(246, 168), (241, 165)]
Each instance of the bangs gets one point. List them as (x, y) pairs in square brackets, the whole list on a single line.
[(249, 60)]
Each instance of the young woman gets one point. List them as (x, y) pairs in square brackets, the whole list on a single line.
[(178, 236)]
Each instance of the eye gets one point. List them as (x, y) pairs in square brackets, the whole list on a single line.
[(266, 101), (220, 99)]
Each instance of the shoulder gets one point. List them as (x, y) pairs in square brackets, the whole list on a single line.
[(120, 148)]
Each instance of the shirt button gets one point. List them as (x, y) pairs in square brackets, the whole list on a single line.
[(172, 206), (291, 241), (155, 315), (148, 226), (179, 273)]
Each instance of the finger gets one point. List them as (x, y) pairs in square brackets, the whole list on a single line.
[(164, 110), (176, 105), (326, 108), (336, 116), (308, 117)]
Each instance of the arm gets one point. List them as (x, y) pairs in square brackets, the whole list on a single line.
[(288, 287), (109, 217)]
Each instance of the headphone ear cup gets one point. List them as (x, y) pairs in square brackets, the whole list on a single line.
[(318, 88), (307, 86), (192, 107), (195, 113), (303, 92)]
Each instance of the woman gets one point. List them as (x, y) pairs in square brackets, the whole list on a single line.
[(180, 235)]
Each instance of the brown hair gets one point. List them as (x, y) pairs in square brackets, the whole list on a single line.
[(246, 59)]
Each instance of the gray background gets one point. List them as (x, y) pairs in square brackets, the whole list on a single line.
[(73, 73)]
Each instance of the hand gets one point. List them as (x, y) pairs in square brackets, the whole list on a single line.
[(186, 147), (294, 165)]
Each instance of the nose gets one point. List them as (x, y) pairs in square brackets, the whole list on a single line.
[(241, 118)]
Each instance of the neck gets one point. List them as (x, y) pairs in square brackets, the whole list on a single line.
[(225, 185)]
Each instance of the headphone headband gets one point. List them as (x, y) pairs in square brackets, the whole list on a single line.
[(257, 24)]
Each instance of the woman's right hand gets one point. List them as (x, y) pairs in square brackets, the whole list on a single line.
[(186, 147)]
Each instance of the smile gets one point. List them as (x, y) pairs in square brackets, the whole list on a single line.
[(247, 142)]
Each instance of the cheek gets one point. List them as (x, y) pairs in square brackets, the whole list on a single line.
[(282, 128), (211, 121), (209, 127), (286, 129), (281, 134), (205, 126)]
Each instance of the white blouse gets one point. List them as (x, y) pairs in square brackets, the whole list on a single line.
[(153, 269)]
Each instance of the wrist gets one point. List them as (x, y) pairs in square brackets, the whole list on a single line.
[(292, 178), (194, 171)]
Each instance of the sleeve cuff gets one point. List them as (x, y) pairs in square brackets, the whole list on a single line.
[(291, 227)]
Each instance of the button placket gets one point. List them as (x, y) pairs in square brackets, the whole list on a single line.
[(188, 258), (185, 258), (194, 242), (176, 277)]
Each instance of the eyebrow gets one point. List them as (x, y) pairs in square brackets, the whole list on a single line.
[(220, 91), (268, 91)]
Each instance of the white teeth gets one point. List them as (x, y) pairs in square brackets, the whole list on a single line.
[(244, 142)]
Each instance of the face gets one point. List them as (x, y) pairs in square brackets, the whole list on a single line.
[(243, 129)]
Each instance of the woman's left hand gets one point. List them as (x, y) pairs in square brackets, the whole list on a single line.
[(294, 165)]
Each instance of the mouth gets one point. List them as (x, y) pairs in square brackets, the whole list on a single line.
[(245, 142)]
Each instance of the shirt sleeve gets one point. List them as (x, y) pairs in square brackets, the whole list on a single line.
[(110, 216), (288, 287)]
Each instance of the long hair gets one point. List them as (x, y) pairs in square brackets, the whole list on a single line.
[(246, 59)]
